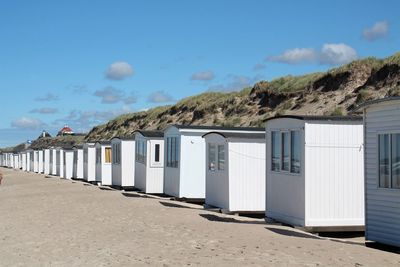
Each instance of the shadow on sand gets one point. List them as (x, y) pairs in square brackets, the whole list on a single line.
[(288, 232), (215, 218), (175, 205), (379, 246), (135, 195)]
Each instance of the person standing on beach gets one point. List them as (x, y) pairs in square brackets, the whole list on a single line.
[(1, 177)]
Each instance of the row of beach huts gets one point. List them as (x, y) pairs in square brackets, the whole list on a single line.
[(321, 173)]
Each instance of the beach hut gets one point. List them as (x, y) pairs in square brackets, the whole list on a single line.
[(68, 163), (28, 160), (123, 161), (185, 159), (40, 161), (103, 162), (46, 161), (89, 162), (23, 160), (315, 172), (382, 170), (78, 162), (149, 157), (36, 161), (53, 161), (235, 171), (16, 161), (60, 161)]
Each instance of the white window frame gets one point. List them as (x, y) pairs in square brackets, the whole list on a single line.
[(280, 134), (391, 188), (216, 155)]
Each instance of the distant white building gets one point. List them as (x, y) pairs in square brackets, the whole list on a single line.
[(382, 170), (315, 172), (149, 156), (235, 170)]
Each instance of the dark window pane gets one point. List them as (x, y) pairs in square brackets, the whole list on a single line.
[(396, 161), (384, 161), (295, 152), (157, 153), (275, 151), (285, 151)]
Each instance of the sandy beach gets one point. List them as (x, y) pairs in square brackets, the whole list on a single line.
[(55, 222)]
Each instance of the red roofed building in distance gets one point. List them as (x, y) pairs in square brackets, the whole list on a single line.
[(65, 131)]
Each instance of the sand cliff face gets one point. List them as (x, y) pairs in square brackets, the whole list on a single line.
[(336, 91)]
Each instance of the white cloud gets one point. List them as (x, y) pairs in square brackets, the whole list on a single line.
[(48, 97), (332, 54), (379, 30), (160, 97), (84, 120), (119, 71), (295, 55), (259, 66), (335, 54), (44, 110), (27, 123), (203, 76), (110, 95)]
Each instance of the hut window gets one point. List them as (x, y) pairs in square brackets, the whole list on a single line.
[(221, 157), (275, 150), (141, 151), (384, 157), (389, 160), (395, 161), (116, 153), (295, 152), (285, 151), (98, 155), (157, 153), (107, 155), (172, 152), (211, 157)]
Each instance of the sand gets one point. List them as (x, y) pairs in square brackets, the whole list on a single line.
[(55, 222)]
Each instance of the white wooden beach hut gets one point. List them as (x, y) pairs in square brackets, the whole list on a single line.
[(185, 159), (28, 160), (78, 162), (40, 161), (46, 161), (23, 160), (36, 161), (149, 157), (60, 161), (89, 162), (123, 161), (235, 171), (382, 170), (68, 163), (315, 172), (103, 162), (16, 161), (53, 161)]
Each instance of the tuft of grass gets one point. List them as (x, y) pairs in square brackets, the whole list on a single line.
[(338, 111)]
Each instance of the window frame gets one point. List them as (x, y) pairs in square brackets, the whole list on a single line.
[(280, 133), (390, 152), (172, 151)]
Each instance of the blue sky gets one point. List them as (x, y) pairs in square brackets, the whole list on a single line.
[(85, 62)]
